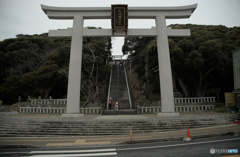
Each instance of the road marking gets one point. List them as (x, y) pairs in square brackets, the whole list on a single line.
[(176, 145), (13, 152), (78, 142), (80, 155), (72, 151)]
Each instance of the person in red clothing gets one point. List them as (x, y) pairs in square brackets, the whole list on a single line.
[(110, 103)]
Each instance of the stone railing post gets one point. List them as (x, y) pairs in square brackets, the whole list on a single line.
[(39, 101), (137, 109), (19, 103), (29, 101), (50, 101)]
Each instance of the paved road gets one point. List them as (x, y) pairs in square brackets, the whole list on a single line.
[(195, 148), (200, 147)]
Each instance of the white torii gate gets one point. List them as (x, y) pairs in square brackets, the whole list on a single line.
[(160, 14)]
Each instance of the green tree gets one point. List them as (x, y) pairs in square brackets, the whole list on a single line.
[(199, 62), (141, 56), (96, 52), (11, 89), (46, 78)]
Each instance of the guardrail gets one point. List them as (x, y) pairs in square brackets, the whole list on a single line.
[(109, 88), (129, 96)]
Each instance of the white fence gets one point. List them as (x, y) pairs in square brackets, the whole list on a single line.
[(184, 105), (181, 105), (60, 110), (48, 101), (186, 108), (197, 100)]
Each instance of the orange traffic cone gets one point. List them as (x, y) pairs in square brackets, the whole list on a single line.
[(188, 133), (188, 138), (130, 134)]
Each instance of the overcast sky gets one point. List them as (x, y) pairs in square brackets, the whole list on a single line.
[(27, 17)]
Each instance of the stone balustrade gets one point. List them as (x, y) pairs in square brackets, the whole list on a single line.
[(150, 109), (181, 105), (48, 101), (190, 101), (59, 110), (193, 108), (182, 108), (196, 100)]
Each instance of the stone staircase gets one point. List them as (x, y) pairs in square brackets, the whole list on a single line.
[(13, 127), (118, 89)]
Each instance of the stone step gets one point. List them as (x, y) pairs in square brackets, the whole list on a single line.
[(118, 125), (25, 127), (108, 128), (87, 129), (79, 133), (112, 124), (38, 125), (120, 112), (91, 130)]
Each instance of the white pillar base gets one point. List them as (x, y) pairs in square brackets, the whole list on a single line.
[(72, 115), (168, 114)]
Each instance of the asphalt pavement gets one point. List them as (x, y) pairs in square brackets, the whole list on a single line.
[(223, 146)]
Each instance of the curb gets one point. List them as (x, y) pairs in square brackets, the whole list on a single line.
[(19, 146), (9, 113)]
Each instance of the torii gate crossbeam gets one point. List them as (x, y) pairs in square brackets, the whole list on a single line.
[(160, 14)]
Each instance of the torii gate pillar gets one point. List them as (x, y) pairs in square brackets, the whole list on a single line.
[(160, 14), (75, 67), (165, 72)]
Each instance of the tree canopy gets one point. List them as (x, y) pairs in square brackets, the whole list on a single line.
[(37, 65), (200, 62)]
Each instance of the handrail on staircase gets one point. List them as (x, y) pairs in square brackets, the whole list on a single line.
[(129, 97), (109, 86)]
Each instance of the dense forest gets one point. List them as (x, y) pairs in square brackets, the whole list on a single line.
[(199, 63), (37, 65)]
